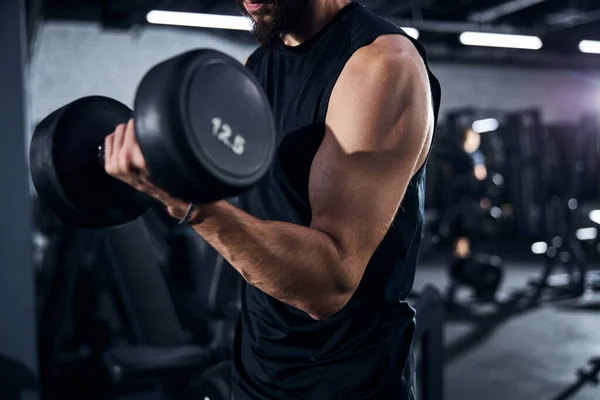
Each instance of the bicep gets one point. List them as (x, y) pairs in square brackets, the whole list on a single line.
[(374, 140), (354, 197)]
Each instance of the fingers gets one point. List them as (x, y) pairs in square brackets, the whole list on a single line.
[(110, 164), (123, 156), (108, 146), (119, 135), (137, 159), (135, 156), (129, 136), (112, 149), (113, 152)]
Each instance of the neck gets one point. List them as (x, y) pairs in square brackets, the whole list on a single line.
[(314, 17)]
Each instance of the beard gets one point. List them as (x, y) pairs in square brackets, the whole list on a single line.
[(276, 19)]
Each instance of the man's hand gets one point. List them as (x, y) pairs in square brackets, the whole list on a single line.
[(123, 160)]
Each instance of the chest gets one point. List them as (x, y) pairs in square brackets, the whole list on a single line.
[(298, 95)]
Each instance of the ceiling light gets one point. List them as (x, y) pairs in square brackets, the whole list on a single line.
[(485, 125), (539, 247), (589, 46), (199, 20), (216, 21), (586, 233), (501, 40), (595, 216)]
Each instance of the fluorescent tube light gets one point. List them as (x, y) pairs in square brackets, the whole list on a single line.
[(216, 21), (199, 20), (595, 216), (586, 233), (589, 46), (501, 40), (485, 125)]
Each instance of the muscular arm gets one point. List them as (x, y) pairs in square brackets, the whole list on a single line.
[(379, 126)]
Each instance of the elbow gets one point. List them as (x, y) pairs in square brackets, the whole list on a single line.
[(320, 317), (326, 312), (334, 298), (328, 307), (340, 288)]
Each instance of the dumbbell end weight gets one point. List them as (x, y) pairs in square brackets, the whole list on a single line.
[(205, 126), (66, 171)]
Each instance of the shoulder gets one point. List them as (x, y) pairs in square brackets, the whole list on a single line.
[(388, 57), (392, 44), (389, 69), (385, 87)]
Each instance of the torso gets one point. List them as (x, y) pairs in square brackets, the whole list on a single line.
[(360, 352)]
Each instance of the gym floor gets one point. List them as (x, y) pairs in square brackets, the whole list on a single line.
[(532, 354)]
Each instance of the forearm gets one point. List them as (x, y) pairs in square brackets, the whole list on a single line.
[(298, 265)]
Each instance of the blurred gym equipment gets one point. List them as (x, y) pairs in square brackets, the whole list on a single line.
[(562, 245), (523, 137), (482, 273), (214, 383), (584, 377), (120, 318), (430, 237), (429, 338), (472, 212), (471, 182)]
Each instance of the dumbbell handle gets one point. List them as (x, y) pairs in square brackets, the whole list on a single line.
[(188, 214)]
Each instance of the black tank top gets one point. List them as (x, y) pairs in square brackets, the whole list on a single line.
[(361, 352)]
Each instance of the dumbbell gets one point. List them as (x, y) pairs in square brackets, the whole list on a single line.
[(202, 122), (483, 273)]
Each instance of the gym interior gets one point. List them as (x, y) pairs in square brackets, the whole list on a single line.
[(507, 289)]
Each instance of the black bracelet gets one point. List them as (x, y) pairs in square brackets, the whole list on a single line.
[(188, 215)]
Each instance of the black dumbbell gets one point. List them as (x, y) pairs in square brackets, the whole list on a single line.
[(482, 272), (203, 124)]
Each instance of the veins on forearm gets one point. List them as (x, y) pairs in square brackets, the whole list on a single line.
[(295, 264)]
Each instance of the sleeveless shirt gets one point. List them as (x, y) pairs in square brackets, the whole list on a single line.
[(361, 352)]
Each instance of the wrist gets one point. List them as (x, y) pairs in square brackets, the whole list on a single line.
[(176, 208), (182, 210)]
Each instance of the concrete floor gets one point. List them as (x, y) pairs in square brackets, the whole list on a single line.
[(531, 355)]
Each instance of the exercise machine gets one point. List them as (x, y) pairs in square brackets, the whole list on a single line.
[(429, 340)]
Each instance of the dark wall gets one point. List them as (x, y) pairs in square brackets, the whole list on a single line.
[(18, 358)]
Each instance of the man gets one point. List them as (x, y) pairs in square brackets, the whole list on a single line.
[(328, 242), (464, 171)]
